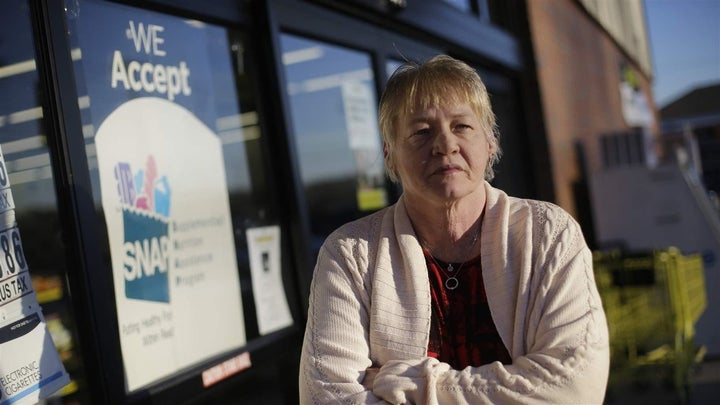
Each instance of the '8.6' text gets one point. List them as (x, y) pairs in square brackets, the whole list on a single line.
[(12, 258)]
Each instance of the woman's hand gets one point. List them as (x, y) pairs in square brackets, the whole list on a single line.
[(369, 379)]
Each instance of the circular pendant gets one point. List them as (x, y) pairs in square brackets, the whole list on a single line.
[(451, 283)]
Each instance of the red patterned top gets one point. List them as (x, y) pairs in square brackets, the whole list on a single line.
[(462, 332)]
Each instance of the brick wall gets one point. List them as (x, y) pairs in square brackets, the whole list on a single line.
[(579, 73)]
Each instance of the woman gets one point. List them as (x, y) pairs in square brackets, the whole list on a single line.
[(457, 293)]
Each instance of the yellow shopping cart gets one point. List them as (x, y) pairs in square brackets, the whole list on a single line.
[(652, 301)]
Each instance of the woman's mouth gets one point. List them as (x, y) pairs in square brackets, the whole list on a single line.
[(447, 169)]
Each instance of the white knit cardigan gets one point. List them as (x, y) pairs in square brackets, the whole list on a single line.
[(370, 307)]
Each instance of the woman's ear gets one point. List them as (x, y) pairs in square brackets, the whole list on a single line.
[(387, 155), (492, 146), (389, 160)]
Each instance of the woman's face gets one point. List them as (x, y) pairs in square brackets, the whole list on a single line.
[(441, 153)]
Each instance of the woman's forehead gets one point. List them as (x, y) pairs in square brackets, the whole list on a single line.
[(453, 101), (441, 93), (451, 108)]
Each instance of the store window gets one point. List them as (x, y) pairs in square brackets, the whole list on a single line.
[(28, 192), (334, 121), (179, 177)]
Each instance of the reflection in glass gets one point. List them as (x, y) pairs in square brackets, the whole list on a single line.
[(334, 118), (463, 5)]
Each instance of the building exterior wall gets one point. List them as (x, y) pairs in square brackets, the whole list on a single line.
[(624, 20), (579, 68)]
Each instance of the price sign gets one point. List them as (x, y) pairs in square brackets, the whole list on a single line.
[(30, 369)]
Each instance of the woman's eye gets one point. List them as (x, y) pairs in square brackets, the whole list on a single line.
[(463, 129), (422, 132)]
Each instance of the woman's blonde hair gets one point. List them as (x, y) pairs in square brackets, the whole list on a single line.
[(441, 79)]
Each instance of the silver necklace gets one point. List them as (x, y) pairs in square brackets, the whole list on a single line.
[(451, 282)]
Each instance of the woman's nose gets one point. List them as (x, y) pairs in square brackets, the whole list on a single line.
[(445, 142)]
